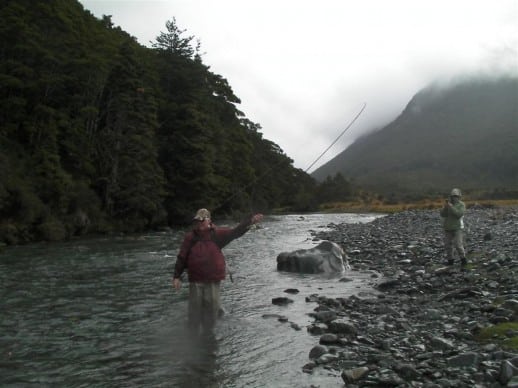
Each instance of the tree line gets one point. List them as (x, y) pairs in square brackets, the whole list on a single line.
[(100, 134)]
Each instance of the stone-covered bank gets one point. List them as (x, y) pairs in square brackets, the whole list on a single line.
[(422, 328)]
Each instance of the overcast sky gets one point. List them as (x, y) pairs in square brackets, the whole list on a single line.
[(304, 68)]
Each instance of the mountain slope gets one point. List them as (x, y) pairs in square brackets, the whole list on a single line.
[(465, 135)]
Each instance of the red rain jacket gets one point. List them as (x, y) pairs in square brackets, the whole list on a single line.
[(201, 253)]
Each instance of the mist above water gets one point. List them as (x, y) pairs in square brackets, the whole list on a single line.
[(102, 312)]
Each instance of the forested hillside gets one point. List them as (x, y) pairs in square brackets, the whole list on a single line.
[(101, 134), (462, 135)]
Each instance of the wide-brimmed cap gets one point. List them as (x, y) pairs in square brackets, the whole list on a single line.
[(202, 214)]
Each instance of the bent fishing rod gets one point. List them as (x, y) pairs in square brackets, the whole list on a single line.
[(339, 136), (268, 170)]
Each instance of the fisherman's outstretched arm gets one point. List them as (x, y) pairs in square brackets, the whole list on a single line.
[(226, 235)]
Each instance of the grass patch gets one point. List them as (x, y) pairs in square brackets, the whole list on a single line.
[(375, 206), (501, 333), (511, 343)]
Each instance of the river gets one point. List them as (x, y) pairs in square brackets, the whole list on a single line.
[(101, 312)]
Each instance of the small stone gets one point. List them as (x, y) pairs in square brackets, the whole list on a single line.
[(308, 368), (317, 351), (342, 327), (352, 375), (325, 316), (317, 328), (281, 301), (464, 360), (328, 338), (441, 344), (507, 372), (326, 358)]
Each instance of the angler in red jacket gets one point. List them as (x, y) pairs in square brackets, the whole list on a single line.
[(200, 254)]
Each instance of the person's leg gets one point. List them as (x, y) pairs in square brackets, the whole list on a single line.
[(211, 305), (458, 243), (448, 245), (195, 310)]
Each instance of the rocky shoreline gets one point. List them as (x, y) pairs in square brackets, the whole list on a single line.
[(423, 327)]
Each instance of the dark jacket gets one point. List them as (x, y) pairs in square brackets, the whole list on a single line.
[(201, 254)]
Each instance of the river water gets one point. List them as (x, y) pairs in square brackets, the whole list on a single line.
[(101, 312)]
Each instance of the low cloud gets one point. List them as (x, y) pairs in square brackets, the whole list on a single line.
[(303, 69)]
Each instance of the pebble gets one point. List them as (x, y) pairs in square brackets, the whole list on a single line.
[(420, 327)]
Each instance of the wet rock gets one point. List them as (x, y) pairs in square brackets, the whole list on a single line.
[(432, 314), (341, 327), (281, 301), (407, 371), (276, 316), (353, 375), (312, 298), (507, 372), (389, 380), (326, 358), (317, 351), (325, 316), (511, 304), (441, 344), (326, 257), (308, 368), (317, 328), (328, 339), (464, 360), (387, 283), (495, 319)]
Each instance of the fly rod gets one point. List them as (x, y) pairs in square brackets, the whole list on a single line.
[(268, 170), (339, 136)]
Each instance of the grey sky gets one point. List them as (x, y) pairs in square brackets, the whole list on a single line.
[(303, 69)]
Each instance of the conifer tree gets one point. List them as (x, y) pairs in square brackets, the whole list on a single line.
[(131, 181)]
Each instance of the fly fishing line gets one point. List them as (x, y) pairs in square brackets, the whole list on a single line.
[(339, 136)]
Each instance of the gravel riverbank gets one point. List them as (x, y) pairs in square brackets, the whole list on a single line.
[(422, 329)]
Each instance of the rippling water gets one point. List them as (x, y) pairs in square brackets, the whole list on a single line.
[(102, 312)]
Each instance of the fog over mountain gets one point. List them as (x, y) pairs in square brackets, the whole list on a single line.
[(302, 69), (462, 133)]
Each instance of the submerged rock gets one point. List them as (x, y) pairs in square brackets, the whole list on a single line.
[(281, 301)]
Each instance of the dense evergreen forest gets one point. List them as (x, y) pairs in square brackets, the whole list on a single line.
[(99, 134)]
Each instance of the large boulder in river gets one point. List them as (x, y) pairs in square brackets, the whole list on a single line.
[(326, 257)]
